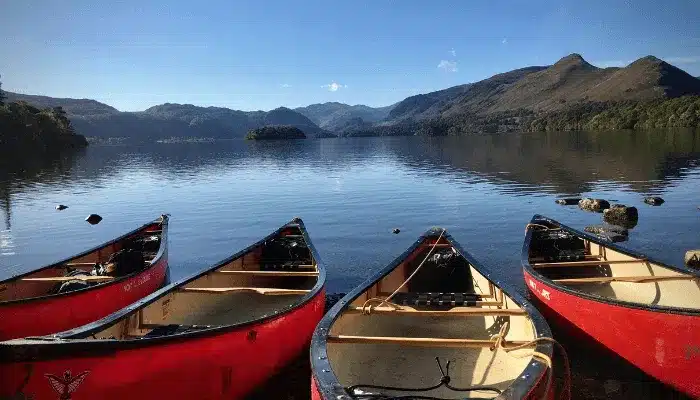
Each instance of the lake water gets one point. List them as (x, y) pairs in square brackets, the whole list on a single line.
[(351, 193)]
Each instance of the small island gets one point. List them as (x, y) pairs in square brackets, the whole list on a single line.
[(275, 132), (26, 128)]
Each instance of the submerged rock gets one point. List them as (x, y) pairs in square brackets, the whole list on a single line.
[(654, 201), (621, 215), (93, 219), (611, 233), (692, 258), (567, 201), (596, 205), (606, 229)]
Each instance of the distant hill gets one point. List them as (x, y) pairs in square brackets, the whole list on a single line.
[(97, 120), (569, 94), (339, 117), (511, 100), (71, 106)]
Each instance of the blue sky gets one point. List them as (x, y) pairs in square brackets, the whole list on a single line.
[(262, 54)]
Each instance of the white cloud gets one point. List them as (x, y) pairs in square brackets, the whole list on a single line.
[(504, 41), (449, 66), (334, 86), (286, 85), (613, 63), (453, 52)]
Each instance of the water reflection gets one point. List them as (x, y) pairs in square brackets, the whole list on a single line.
[(351, 193)]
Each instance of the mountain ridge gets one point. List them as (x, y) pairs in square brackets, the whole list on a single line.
[(505, 99)]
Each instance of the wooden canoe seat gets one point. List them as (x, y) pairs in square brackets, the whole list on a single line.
[(587, 263), (270, 273), (627, 279), (263, 291), (69, 278), (420, 342), (457, 312)]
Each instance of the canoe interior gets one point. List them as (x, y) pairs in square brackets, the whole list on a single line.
[(53, 279), (380, 348), (586, 266), (268, 278)]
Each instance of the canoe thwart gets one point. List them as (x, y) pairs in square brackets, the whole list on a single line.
[(627, 279), (264, 291), (419, 342), (592, 263)]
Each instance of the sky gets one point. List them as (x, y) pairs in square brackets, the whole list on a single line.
[(262, 54)]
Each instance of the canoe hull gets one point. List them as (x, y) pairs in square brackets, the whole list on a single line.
[(665, 345), (57, 314), (227, 365)]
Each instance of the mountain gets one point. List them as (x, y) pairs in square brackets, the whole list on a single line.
[(570, 88), (567, 95), (98, 120), (338, 117), (573, 80), (476, 95), (71, 106)]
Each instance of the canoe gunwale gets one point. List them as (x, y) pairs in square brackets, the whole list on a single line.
[(325, 379), (527, 266), (162, 250), (76, 342)]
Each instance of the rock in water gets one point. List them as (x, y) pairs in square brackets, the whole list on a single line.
[(93, 219), (61, 207), (603, 229), (396, 230), (610, 233), (692, 258), (567, 202), (621, 215), (654, 201), (596, 205)]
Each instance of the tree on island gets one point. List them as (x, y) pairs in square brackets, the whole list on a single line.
[(275, 132)]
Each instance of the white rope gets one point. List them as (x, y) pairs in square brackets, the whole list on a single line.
[(416, 270)]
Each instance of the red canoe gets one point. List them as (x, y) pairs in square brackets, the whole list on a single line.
[(76, 291), (396, 335), (217, 334), (645, 311)]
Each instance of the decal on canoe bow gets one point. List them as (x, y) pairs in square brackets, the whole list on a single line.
[(133, 285), (546, 294), (67, 384)]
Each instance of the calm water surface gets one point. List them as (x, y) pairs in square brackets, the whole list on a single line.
[(351, 193)]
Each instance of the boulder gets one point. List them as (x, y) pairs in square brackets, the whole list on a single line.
[(93, 219), (692, 258), (567, 202), (621, 215), (606, 229), (654, 201), (611, 233), (61, 207), (596, 205)]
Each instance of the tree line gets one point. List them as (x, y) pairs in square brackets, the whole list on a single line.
[(25, 127)]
